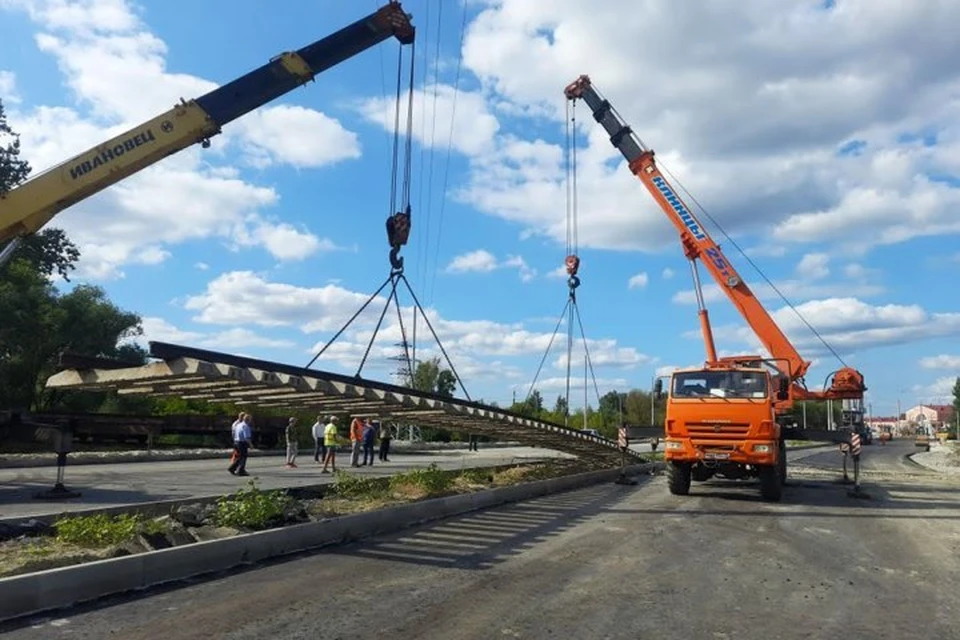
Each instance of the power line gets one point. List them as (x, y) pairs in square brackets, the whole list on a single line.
[(752, 263), (446, 173), (433, 137)]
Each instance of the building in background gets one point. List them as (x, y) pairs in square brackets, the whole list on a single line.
[(937, 416)]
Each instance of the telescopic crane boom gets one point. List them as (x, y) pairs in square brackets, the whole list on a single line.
[(28, 207), (847, 383)]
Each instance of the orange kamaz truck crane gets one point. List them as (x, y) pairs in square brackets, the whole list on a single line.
[(27, 208), (726, 418)]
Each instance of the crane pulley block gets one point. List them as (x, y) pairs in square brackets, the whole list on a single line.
[(573, 264), (398, 228)]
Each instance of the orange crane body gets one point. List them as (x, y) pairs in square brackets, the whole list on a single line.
[(722, 419)]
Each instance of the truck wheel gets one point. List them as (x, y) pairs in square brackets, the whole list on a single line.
[(770, 486), (678, 478)]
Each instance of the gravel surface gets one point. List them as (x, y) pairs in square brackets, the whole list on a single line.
[(944, 458)]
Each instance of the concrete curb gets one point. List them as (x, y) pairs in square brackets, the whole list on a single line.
[(23, 461), (33, 593)]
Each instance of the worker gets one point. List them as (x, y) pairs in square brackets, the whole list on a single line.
[(330, 441), (291, 433), (356, 441)]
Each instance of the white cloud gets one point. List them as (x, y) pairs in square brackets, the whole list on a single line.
[(793, 290), (814, 266), (848, 325), (941, 361), (638, 281), (856, 270), (766, 251), (202, 266), (158, 329), (559, 385), (667, 273), (296, 136), (479, 260), (283, 241), (116, 69), (748, 125), (8, 88), (242, 298), (527, 273), (666, 370), (482, 261), (473, 127), (940, 391)]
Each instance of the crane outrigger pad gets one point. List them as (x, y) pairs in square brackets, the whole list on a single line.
[(198, 374)]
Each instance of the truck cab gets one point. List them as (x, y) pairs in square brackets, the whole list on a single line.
[(721, 422)]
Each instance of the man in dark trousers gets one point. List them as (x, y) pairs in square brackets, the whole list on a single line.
[(242, 436), (385, 436), (369, 436)]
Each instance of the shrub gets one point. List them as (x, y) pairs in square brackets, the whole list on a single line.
[(431, 480), (252, 508), (100, 530), (348, 485)]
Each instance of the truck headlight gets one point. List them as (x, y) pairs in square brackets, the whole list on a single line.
[(674, 445), (763, 448)]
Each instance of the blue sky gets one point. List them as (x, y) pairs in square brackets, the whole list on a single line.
[(825, 141)]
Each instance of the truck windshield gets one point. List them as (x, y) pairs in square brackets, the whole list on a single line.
[(719, 384)]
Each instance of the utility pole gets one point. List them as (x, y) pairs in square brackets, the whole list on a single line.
[(653, 401), (898, 416), (620, 409)]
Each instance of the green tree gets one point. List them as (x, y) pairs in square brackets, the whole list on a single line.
[(13, 169), (816, 413), (425, 375), (38, 322), (531, 407), (430, 377), (446, 383), (28, 332), (559, 412), (49, 251)]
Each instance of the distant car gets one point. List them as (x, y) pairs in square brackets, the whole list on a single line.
[(592, 432)]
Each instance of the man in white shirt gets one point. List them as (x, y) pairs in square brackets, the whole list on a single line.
[(242, 436)]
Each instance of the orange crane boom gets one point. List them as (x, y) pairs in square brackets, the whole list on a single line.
[(847, 383)]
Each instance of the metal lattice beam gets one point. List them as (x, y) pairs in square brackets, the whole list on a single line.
[(190, 373)]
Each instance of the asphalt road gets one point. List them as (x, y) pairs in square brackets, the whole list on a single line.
[(105, 485), (609, 561), (886, 459)]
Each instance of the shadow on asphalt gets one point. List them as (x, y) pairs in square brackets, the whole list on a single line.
[(816, 499), (481, 539)]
